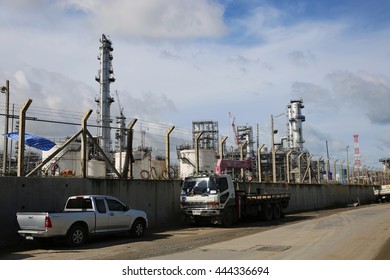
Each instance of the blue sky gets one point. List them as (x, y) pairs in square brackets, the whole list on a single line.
[(178, 61)]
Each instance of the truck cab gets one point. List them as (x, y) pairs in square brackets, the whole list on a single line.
[(217, 199), (206, 196)]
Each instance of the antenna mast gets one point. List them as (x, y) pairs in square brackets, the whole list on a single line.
[(357, 150)]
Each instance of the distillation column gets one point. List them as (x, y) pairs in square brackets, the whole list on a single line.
[(295, 119), (105, 77)]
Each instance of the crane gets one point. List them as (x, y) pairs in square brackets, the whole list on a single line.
[(232, 119), (120, 133), (119, 104)]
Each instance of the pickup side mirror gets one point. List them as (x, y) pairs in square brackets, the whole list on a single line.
[(127, 208)]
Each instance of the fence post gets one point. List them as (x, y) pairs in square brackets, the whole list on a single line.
[(22, 134), (168, 150), (84, 145), (259, 160)]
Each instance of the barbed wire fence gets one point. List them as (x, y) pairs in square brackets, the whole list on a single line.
[(60, 125), (149, 151)]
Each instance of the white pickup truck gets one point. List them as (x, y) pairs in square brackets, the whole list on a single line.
[(83, 216)]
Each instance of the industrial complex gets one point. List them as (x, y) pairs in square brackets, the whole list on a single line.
[(106, 163), (110, 153)]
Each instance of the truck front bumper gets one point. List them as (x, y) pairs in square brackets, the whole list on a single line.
[(201, 212)]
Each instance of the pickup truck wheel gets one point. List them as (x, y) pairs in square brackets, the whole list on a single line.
[(76, 236), (138, 229)]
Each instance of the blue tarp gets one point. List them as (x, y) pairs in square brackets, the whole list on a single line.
[(34, 141)]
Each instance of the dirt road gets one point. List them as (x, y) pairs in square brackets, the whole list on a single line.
[(328, 229)]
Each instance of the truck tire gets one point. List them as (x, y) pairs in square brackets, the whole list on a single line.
[(227, 217), (277, 211), (138, 229), (76, 236), (193, 222), (267, 212)]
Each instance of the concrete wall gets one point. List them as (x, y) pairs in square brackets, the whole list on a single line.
[(158, 198), (310, 197)]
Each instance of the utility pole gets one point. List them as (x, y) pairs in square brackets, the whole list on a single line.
[(5, 89), (273, 150)]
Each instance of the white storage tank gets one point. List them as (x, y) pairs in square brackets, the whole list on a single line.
[(96, 168), (187, 161), (68, 160), (144, 167)]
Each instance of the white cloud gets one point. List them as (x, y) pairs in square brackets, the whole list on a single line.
[(368, 93), (50, 90), (151, 106), (176, 19), (301, 59)]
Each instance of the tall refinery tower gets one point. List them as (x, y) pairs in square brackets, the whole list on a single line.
[(105, 77), (295, 119)]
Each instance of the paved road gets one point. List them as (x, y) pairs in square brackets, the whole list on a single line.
[(359, 234), (352, 233)]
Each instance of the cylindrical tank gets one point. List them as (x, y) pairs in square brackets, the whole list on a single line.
[(68, 159), (96, 169), (145, 168), (187, 163)]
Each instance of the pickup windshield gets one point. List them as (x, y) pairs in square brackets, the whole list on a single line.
[(199, 186)]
